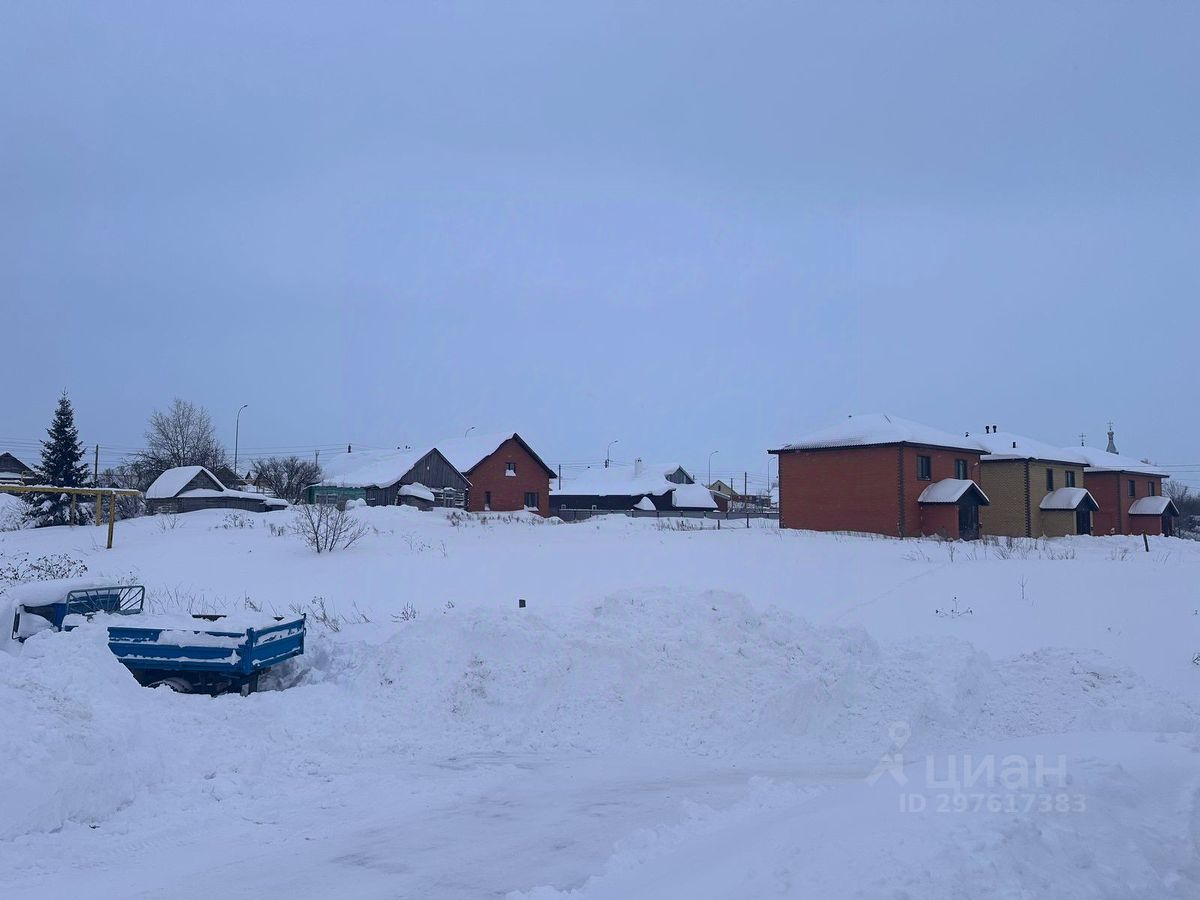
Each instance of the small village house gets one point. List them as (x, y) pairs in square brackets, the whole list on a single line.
[(421, 477), (190, 488), (644, 486), (503, 471), (13, 471), (1129, 492), (882, 474), (1037, 490)]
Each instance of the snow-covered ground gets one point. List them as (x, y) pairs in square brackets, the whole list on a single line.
[(734, 713)]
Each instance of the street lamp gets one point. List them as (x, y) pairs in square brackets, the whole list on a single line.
[(237, 427), (468, 431), (609, 450), (710, 456)]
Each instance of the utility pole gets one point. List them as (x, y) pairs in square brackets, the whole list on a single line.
[(96, 483), (560, 476)]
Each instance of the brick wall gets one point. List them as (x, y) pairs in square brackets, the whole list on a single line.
[(1111, 490), (1004, 483), (1016, 509), (508, 491), (872, 489)]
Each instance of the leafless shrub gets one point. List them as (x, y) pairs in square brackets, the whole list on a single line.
[(167, 522), (1119, 554), (917, 555), (953, 612), (236, 520), (43, 568), (407, 613), (320, 613), (326, 528)]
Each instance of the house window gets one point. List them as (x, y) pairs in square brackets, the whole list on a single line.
[(1049, 479), (510, 468), (960, 469), (1132, 488), (924, 468), (487, 500), (1070, 478), (1149, 488), (532, 500)]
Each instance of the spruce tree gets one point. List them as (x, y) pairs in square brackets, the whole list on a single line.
[(62, 466)]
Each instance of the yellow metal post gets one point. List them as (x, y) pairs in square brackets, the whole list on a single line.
[(112, 517), (74, 516), (99, 512)]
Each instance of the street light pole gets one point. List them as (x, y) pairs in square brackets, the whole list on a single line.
[(237, 428), (609, 450), (468, 431), (710, 456)]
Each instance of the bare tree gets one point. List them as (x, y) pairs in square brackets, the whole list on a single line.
[(286, 476), (182, 436), (125, 476), (325, 528), (1183, 497)]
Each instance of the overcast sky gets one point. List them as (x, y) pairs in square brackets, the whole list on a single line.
[(688, 227)]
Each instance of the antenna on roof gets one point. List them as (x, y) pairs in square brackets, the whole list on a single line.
[(1082, 439)]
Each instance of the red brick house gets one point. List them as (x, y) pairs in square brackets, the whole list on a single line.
[(882, 474), (1129, 492), (506, 474)]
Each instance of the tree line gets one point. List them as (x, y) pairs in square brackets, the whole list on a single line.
[(181, 435)]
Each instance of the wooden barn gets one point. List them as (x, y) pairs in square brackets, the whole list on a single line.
[(378, 477), (13, 471), (190, 488)]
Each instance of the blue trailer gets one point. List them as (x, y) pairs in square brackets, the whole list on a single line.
[(209, 654)]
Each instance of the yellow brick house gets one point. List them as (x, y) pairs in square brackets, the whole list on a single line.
[(1036, 489)]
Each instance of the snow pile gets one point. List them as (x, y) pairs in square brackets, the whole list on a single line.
[(76, 736), (705, 673)]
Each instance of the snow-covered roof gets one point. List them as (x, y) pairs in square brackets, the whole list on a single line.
[(876, 429), (465, 453), (1068, 498), (1153, 506), (951, 490), (1006, 445), (369, 468), (692, 496), (1103, 461), (621, 481), (172, 481), (416, 489)]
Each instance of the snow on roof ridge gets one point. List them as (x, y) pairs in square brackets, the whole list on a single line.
[(999, 445), (174, 480), (1102, 461), (874, 429)]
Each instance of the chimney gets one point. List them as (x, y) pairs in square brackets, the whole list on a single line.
[(638, 466), (1014, 445), (348, 448)]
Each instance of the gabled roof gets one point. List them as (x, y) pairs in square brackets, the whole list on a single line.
[(466, 453), (1153, 506), (8, 462), (1002, 445), (172, 481), (692, 496), (1103, 461), (369, 468), (622, 481), (879, 429), (1069, 498), (951, 490)]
